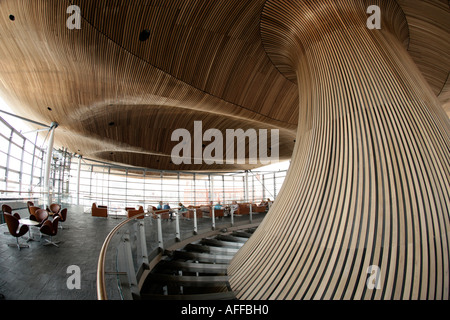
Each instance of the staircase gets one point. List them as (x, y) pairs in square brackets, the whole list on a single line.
[(196, 272)]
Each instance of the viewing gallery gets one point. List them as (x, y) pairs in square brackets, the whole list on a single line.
[(224, 150)]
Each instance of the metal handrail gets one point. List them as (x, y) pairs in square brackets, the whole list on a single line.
[(101, 285)]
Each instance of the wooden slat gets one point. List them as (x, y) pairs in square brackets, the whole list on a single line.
[(119, 99), (369, 178)]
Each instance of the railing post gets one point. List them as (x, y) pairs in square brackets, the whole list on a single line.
[(126, 264), (143, 242), (177, 227), (251, 212), (160, 235), (195, 222), (232, 217), (213, 218)]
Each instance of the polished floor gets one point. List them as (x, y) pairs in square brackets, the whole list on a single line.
[(40, 272)]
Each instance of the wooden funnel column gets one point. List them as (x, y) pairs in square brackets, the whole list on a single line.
[(364, 210)]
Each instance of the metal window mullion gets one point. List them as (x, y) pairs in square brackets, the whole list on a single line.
[(32, 162), (21, 167), (8, 155)]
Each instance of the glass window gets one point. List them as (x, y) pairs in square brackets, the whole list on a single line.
[(17, 139)]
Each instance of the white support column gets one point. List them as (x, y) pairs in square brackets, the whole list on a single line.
[(47, 195)]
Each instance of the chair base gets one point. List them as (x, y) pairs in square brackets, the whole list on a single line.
[(18, 245), (50, 242)]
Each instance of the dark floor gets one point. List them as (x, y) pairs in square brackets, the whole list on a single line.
[(41, 272)]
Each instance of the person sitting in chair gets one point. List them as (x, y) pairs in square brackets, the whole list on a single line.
[(234, 206), (218, 206), (182, 208)]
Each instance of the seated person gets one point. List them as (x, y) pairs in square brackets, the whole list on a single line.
[(218, 206), (159, 206), (182, 207), (234, 206), (167, 207)]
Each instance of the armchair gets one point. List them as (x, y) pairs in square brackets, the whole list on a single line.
[(50, 228), (133, 212), (63, 216), (40, 215), (54, 209), (13, 227), (99, 211)]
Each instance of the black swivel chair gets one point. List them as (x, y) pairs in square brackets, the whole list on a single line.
[(13, 226), (50, 228), (63, 217)]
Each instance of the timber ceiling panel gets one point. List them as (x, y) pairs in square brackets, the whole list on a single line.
[(203, 60)]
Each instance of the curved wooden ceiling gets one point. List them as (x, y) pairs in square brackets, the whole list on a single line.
[(118, 99)]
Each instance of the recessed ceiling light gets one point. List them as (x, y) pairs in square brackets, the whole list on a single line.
[(144, 35), (11, 17), (49, 109), (111, 123)]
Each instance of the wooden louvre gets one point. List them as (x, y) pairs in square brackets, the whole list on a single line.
[(362, 114)]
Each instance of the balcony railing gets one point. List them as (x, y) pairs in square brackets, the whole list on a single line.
[(137, 244)]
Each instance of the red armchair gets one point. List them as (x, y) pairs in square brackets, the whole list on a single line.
[(99, 211), (13, 226), (131, 212), (50, 228)]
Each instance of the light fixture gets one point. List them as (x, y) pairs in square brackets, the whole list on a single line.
[(144, 35)]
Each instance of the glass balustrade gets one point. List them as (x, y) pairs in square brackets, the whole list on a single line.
[(136, 244)]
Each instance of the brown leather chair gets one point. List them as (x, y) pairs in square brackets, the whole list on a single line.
[(50, 228), (163, 214), (13, 226), (40, 215), (6, 209), (131, 212), (99, 211), (63, 216), (256, 208), (243, 208), (54, 209), (32, 209), (218, 213), (190, 214)]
